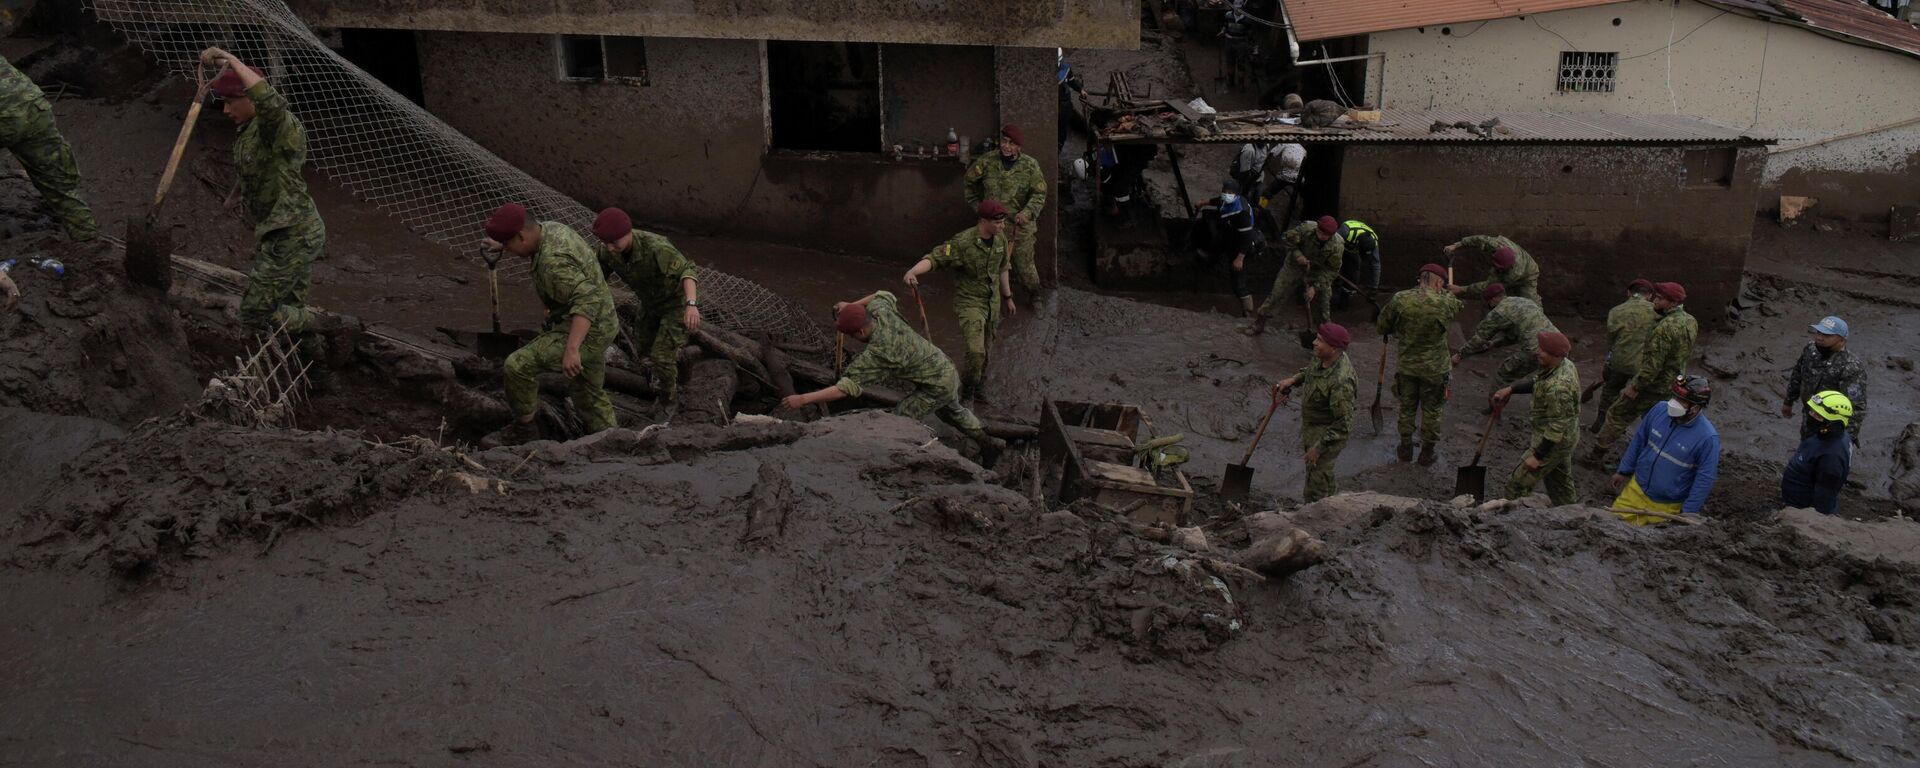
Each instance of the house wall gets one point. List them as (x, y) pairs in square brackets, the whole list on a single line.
[(1779, 81), (1594, 217), (690, 150)]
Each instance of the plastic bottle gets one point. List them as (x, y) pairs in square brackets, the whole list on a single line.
[(953, 142), (50, 265), (7, 266)]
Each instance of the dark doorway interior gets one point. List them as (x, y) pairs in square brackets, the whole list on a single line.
[(1320, 181), (824, 96), (390, 55)]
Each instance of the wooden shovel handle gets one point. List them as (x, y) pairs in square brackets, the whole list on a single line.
[(1486, 433), (1262, 430), (180, 143)]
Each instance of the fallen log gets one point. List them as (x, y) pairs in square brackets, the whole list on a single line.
[(744, 352)]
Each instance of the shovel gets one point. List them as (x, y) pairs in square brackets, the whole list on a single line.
[(1379, 384), (1238, 479), (1472, 479), (924, 323), (150, 245), (494, 344)]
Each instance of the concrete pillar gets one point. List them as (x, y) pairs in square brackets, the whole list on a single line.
[(1027, 96)]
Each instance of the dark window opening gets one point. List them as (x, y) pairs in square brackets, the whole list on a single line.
[(581, 58), (824, 96), (390, 55), (626, 58), (594, 59), (1708, 168)]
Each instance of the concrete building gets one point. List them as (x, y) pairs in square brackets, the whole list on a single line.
[(773, 120), (1837, 81)]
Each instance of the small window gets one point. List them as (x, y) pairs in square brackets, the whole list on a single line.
[(594, 59), (1708, 168), (824, 96), (1587, 71)]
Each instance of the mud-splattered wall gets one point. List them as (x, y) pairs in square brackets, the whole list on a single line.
[(1594, 216), (690, 150)]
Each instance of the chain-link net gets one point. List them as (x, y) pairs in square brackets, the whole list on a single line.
[(390, 152)]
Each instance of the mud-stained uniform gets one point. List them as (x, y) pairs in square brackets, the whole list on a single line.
[(654, 269), (1669, 347), (269, 155), (1516, 320), (567, 277), (1628, 326), (978, 265), (1323, 264), (28, 131), (1555, 417), (1022, 187), (895, 353), (1817, 372), (1522, 279), (1417, 319), (1327, 396)]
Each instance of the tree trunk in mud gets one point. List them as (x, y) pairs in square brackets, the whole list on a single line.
[(707, 396)]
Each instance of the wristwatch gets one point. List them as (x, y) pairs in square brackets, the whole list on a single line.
[(693, 303)]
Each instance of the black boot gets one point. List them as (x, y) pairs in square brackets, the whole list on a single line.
[(1427, 454), (514, 433), (1405, 451)]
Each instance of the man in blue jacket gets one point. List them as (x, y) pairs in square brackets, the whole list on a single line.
[(1818, 470), (1673, 458)]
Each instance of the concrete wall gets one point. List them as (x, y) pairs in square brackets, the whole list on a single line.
[(690, 150), (1029, 23), (1595, 217), (1781, 81)]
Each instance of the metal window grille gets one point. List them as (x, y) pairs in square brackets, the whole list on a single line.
[(1587, 71)]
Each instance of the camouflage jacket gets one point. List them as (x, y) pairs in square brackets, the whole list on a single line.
[(653, 269), (1555, 412), (978, 262), (1022, 188), (895, 353), (1327, 395), (17, 91), (1840, 371), (1521, 279), (1323, 257), (269, 155), (1628, 326), (1516, 321), (569, 281), (1418, 319), (1669, 347)]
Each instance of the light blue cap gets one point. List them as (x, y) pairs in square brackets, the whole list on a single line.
[(1830, 325)]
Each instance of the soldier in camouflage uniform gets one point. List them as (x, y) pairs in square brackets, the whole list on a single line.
[(27, 130), (667, 285), (1018, 183), (1827, 365), (1314, 253), (1328, 392), (895, 353), (1513, 267), (1628, 326), (580, 322), (1555, 416), (1511, 320), (1418, 319), (979, 255), (1669, 347), (269, 155)]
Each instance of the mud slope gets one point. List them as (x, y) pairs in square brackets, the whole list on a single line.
[(846, 593)]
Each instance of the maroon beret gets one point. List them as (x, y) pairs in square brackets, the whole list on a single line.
[(851, 319), (1503, 258), (228, 85), (506, 221), (992, 209), (1434, 269), (1493, 289), (612, 224), (1554, 343), (1673, 292), (1335, 335), (1640, 285), (1012, 131), (1328, 226)]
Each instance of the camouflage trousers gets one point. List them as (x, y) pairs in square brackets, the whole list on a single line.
[(1292, 278), (666, 332), (1556, 470), (281, 276), (29, 133), (1517, 366), (944, 401), (1026, 271), (1623, 414), (979, 323), (1320, 478), (1420, 399), (1611, 383), (588, 391)]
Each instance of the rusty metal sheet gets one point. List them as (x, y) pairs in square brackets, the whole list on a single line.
[(1322, 19), (1516, 127), (1855, 19)]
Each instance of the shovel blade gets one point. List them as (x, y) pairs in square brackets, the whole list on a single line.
[(1471, 481), (498, 345), (1235, 484), (1379, 417), (149, 251)]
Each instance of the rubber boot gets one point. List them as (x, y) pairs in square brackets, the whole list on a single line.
[(1594, 428), (1246, 307), (514, 433), (1405, 451), (1257, 327), (1427, 454)]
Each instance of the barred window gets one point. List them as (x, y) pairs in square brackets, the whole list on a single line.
[(1587, 71)]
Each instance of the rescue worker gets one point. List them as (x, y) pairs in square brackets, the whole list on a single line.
[(1327, 397), (1360, 264), (1555, 417), (1283, 176), (269, 156), (1673, 459), (1669, 347), (667, 284), (1512, 267), (1818, 470), (580, 322), (979, 255), (1510, 320), (1826, 364), (1417, 319), (1247, 165), (1224, 226), (1017, 182), (1627, 328), (28, 131), (1314, 253), (895, 353)]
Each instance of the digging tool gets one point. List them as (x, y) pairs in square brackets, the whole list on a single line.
[(1364, 293), (924, 322), (1379, 384), (1472, 479), (1238, 479), (839, 354), (494, 344), (1591, 388), (149, 245)]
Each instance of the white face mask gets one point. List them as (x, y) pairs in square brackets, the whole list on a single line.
[(1676, 409), (1228, 198)]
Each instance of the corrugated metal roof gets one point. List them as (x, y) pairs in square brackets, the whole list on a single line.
[(1532, 127), (1857, 20), (1322, 19)]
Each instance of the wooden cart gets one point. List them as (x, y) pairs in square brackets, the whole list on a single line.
[(1087, 452)]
